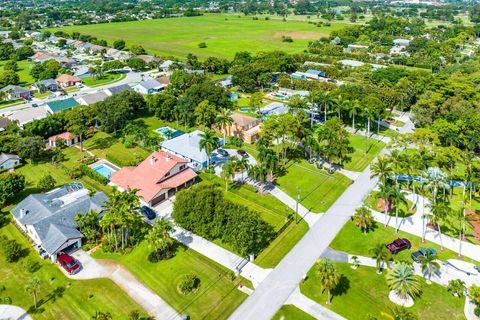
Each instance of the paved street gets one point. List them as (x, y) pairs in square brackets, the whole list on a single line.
[(277, 287)]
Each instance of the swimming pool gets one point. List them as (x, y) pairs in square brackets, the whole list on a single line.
[(279, 95), (104, 170), (168, 132), (244, 109), (233, 96)]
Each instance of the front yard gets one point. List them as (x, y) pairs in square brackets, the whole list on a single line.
[(362, 294), (59, 297), (290, 312), (217, 296), (107, 79), (365, 151), (318, 190)]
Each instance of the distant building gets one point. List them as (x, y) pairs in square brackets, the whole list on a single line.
[(66, 80), (315, 74), (49, 218), (149, 86), (45, 85), (61, 105), (68, 138), (92, 98), (16, 92), (117, 89), (165, 65), (274, 108)]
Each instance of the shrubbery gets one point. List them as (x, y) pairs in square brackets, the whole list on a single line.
[(12, 250), (203, 210), (89, 172), (189, 283)]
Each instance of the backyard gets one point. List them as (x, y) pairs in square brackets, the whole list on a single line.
[(368, 293), (272, 211), (23, 71), (318, 190), (59, 297), (223, 34), (216, 298)]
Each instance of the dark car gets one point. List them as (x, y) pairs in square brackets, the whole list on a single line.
[(422, 252), (148, 212), (399, 245), (222, 152), (243, 153), (68, 263), (34, 105)]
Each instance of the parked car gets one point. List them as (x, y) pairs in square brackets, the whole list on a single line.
[(399, 245), (148, 212), (222, 152), (34, 105), (68, 263), (243, 153), (422, 252)]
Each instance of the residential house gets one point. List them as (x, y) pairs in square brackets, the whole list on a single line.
[(227, 82), (355, 64), (16, 92), (60, 105), (356, 47), (40, 57), (97, 49), (166, 65), (163, 80), (49, 218), (147, 58), (4, 34), (23, 117), (157, 178), (315, 74), (149, 86), (274, 108), (82, 72), (68, 138), (8, 161), (45, 85), (92, 98), (66, 80), (244, 127), (187, 146), (117, 89), (112, 53)]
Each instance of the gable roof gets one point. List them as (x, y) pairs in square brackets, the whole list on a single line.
[(46, 83), (118, 89), (242, 120), (28, 115), (15, 89), (187, 145), (151, 84), (64, 78), (60, 105), (64, 135), (150, 176), (93, 97), (4, 157)]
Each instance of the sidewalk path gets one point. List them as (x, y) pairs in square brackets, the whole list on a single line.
[(9, 312), (100, 268), (311, 307)]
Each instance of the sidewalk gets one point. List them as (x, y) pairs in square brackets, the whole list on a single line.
[(9, 312), (311, 307)]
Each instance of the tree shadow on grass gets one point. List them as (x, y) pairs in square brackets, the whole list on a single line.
[(102, 143), (342, 287), (55, 294)]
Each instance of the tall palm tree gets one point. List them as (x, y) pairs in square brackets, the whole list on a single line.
[(208, 142), (355, 107), (440, 210), (363, 218), (242, 165), (329, 277), (386, 192), (32, 288), (434, 178), (224, 119), (228, 171), (398, 197), (397, 159), (326, 100), (401, 279), (381, 254), (102, 316), (382, 169), (429, 264), (158, 237)]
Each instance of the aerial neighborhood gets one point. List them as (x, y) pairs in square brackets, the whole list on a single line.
[(239, 160)]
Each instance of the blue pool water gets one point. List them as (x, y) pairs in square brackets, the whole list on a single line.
[(233, 96), (279, 95), (244, 109), (104, 170), (165, 131)]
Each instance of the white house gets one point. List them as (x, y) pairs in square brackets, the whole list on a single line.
[(149, 86), (8, 161)]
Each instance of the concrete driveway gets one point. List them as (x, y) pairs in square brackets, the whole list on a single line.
[(9, 312)]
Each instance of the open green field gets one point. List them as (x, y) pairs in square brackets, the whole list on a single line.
[(224, 34), (216, 298), (365, 151), (362, 294), (351, 240), (59, 297), (23, 71), (290, 312), (272, 211), (318, 190)]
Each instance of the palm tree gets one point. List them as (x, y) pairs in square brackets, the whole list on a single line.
[(326, 99), (429, 264), (457, 287), (158, 237), (382, 169), (208, 142), (224, 119), (32, 288), (329, 277), (402, 313), (228, 171), (439, 210), (397, 159), (381, 254), (102, 316), (386, 192), (242, 165), (398, 197), (363, 218), (434, 179), (355, 107), (401, 279)]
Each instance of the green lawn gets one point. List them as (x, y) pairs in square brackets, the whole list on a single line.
[(362, 294), (59, 297), (404, 210), (216, 298), (272, 211), (290, 312), (351, 240), (365, 151), (23, 71), (153, 123), (106, 146), (107, 79), (318, 190), (224, 34), (8, 103)]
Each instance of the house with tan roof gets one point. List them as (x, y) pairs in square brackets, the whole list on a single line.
[(66, 80), (69, 139), (244, 127), (157, 178)]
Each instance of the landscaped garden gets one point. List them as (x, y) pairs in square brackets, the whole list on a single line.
[(58, 296), (365, 150), (318, 190), (363, 294), (216, 297)]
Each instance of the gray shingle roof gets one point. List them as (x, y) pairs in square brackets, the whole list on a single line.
[(59, 208), (119, 88), (151, 84), (7, 156), (46, 82), (94, 97), (13, 88)]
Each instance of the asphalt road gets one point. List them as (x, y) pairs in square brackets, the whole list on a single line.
[(272, 293)]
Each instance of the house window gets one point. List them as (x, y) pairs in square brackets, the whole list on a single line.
[(182, 167)]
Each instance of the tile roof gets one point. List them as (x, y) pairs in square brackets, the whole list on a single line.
[(63, 78), (242, 120), (65, 136), (150, 175)]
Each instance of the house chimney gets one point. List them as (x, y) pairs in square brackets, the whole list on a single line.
[(167, 158), (22, 213), (152, 160)]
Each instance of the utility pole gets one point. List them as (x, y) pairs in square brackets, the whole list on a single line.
[(296, 205)]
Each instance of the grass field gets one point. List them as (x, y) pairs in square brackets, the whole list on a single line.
[(365, 151), (224, 34), (351, 240), (107, 79), (318, 190), (216, 298), (362, 294), (59, 297), (290, 312), (23, 71)]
